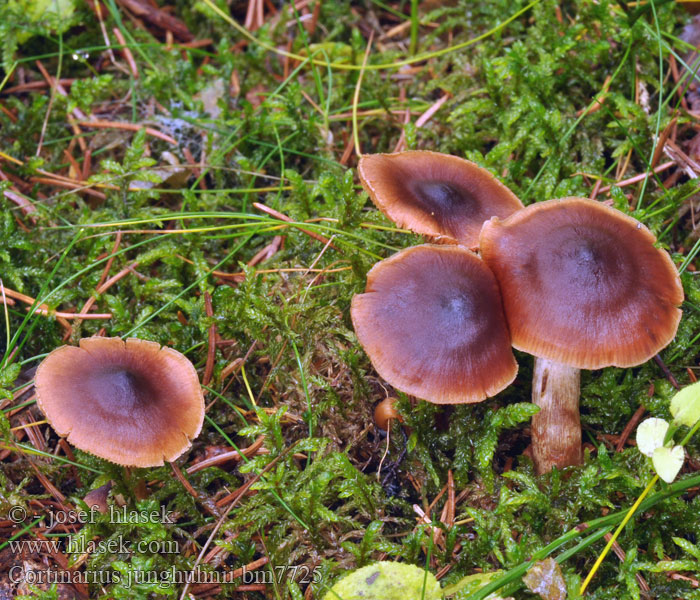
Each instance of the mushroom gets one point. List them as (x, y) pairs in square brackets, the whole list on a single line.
[(432, 324), (444, 197), (385, 412), (97, 499), (583, 287), (131, 402)]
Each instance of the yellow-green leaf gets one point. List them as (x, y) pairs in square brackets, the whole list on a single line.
[(386, 581), (685, 405), (668, 461)]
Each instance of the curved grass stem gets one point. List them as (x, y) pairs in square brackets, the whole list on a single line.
[(352, 67), (615, 535)]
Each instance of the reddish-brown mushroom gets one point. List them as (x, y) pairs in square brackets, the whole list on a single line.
[(438, 195), (131, 402), (432, 324), (583, 287)]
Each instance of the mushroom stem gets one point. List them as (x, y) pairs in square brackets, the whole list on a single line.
[(556, 429)]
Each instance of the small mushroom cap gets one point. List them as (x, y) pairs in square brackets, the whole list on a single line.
[(384, 412), (583, 284), (131, 402), (432, 324), (97, 498), (442, 196)]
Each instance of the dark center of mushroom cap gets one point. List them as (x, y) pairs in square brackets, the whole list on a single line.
[(120, 390), (447, 202), (458, 307), (589, 264), (444, 309), (456, 319), (440, 194)]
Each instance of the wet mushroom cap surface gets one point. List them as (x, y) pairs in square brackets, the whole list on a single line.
[(432, 324), (131, 402), (583, 284), (442, 196)]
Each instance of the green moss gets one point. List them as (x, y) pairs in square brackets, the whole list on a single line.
[(516, 104)]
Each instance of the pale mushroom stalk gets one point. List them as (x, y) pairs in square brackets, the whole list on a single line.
[(556, 429)]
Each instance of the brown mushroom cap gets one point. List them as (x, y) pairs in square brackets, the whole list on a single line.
[(432, 324), (131, 402), (442, 196), (583, 284)]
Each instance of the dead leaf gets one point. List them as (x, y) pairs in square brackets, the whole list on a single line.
[(545, 578)]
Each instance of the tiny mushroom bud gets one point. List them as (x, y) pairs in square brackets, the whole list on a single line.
[(432, 323), (131, 402), (444, 197), (385, 412), (97, 498), (583, 287)]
